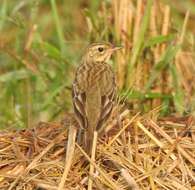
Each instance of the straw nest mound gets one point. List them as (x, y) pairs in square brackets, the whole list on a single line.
[(142, 152)]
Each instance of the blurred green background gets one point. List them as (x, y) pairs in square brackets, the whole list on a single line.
[(41, 42)]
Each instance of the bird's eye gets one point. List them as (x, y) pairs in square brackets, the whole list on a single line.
[(100, 49)]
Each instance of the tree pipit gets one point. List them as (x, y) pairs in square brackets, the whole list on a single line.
[(94, 90)]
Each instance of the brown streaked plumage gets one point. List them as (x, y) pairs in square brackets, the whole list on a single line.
[(94, 90)]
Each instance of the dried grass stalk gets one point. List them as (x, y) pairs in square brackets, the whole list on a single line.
[(162, 157)]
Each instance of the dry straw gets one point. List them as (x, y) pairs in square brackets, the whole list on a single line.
[(159, 154)]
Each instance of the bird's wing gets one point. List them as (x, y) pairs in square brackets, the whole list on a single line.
[(107, 103), (79, 99)]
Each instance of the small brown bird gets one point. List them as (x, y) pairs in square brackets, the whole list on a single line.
[(94, 90)]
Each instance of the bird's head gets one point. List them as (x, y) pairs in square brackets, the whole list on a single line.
[(100, 52)]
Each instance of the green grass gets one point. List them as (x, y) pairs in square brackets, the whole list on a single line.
[(59, 29), (140, 41), (35, 81)]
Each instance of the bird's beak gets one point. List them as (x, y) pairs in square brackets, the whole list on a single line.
[(116, 48)]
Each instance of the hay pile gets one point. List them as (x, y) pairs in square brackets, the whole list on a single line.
[(145, 152)]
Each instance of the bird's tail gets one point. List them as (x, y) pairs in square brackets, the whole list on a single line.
[(85, 139), (88, 138)]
